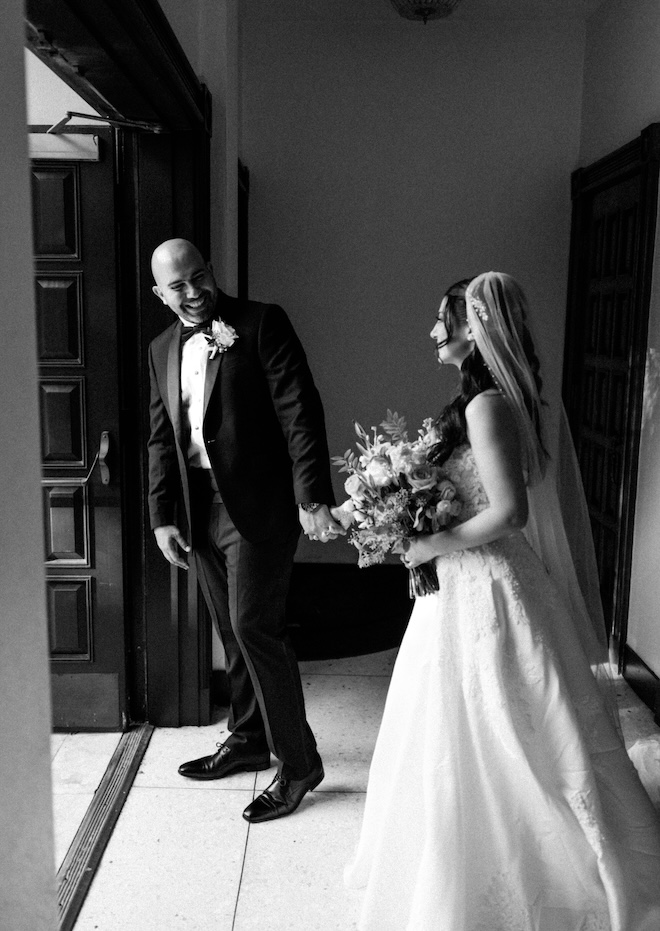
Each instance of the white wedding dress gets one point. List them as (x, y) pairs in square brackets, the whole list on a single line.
[(500, 795)]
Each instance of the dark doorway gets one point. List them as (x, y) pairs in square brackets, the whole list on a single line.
[(612, 246)]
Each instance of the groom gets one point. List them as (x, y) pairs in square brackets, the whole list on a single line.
[(237, 427)]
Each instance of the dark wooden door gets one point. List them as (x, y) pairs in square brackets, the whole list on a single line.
[(124, 60), (77, 322), (614, 213)]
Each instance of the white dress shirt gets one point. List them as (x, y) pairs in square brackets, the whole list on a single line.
[(194, 356)]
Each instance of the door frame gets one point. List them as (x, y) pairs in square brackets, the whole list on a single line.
[(640, 157), (94, 48)]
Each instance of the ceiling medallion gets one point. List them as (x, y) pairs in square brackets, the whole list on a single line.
[(423, 10)]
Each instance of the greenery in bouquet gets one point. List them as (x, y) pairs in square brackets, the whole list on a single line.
[(394, 492)]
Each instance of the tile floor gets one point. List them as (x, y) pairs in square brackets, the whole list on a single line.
[(182, 857), (78, 762)]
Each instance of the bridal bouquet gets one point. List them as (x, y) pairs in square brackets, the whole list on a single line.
[(395, 492)]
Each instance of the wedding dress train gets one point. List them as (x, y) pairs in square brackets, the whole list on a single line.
[(500, 795)]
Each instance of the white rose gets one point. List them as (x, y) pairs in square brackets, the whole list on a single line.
[(401, 458), (353, 486), (380, 470)]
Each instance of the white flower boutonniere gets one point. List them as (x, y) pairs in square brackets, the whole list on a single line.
[(221, 337)]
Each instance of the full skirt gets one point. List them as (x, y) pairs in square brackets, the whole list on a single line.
[(500, 794)]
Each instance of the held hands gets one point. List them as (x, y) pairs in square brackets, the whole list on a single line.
[(169, 539), (320, 525), (344, 513)]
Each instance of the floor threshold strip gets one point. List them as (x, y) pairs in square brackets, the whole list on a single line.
[(76, 873)]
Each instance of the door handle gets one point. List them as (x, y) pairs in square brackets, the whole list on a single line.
[(104, 449), (101, 458)]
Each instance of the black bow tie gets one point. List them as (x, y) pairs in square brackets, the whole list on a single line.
[(189, 331)]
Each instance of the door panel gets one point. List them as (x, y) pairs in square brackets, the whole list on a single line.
[(59, 318), (55, 209), (76, 301)]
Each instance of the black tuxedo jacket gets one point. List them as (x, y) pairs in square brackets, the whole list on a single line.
[(263, 425)]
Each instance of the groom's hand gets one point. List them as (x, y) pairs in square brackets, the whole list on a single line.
[(320, 525), (169, 538)]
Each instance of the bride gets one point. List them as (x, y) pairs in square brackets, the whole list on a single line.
[(500, 795)]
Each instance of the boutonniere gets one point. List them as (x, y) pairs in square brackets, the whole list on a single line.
[(221, 337)]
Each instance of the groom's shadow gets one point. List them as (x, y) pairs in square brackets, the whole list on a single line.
[(338, 610)]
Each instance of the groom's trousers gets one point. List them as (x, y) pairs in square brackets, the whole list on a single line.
[(245, 586)]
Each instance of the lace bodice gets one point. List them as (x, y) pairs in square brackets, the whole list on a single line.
[(461, 469)]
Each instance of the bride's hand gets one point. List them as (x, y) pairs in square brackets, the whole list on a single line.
[(344, 513), (418, 550)]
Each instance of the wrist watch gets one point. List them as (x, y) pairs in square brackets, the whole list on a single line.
[(311, 507)]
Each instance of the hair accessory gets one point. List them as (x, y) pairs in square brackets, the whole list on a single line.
[(479, 307)]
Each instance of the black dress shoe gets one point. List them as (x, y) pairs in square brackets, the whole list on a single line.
[(227, 760), (282, 796)]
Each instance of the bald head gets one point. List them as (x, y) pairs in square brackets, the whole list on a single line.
[(173, 251), (184, 281)]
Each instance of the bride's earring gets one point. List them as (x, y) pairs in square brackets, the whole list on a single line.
[(470, 335)]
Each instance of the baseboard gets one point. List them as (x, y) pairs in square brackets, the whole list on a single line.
[(642, 680), (76, 873)]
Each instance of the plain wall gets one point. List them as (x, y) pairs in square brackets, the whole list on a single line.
[(621, 75), (388, 159), (27, 861), (208, 33), (621, 98)]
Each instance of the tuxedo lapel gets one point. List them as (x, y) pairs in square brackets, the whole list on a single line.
[(213, 365), (174, 381), (212, 369)]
